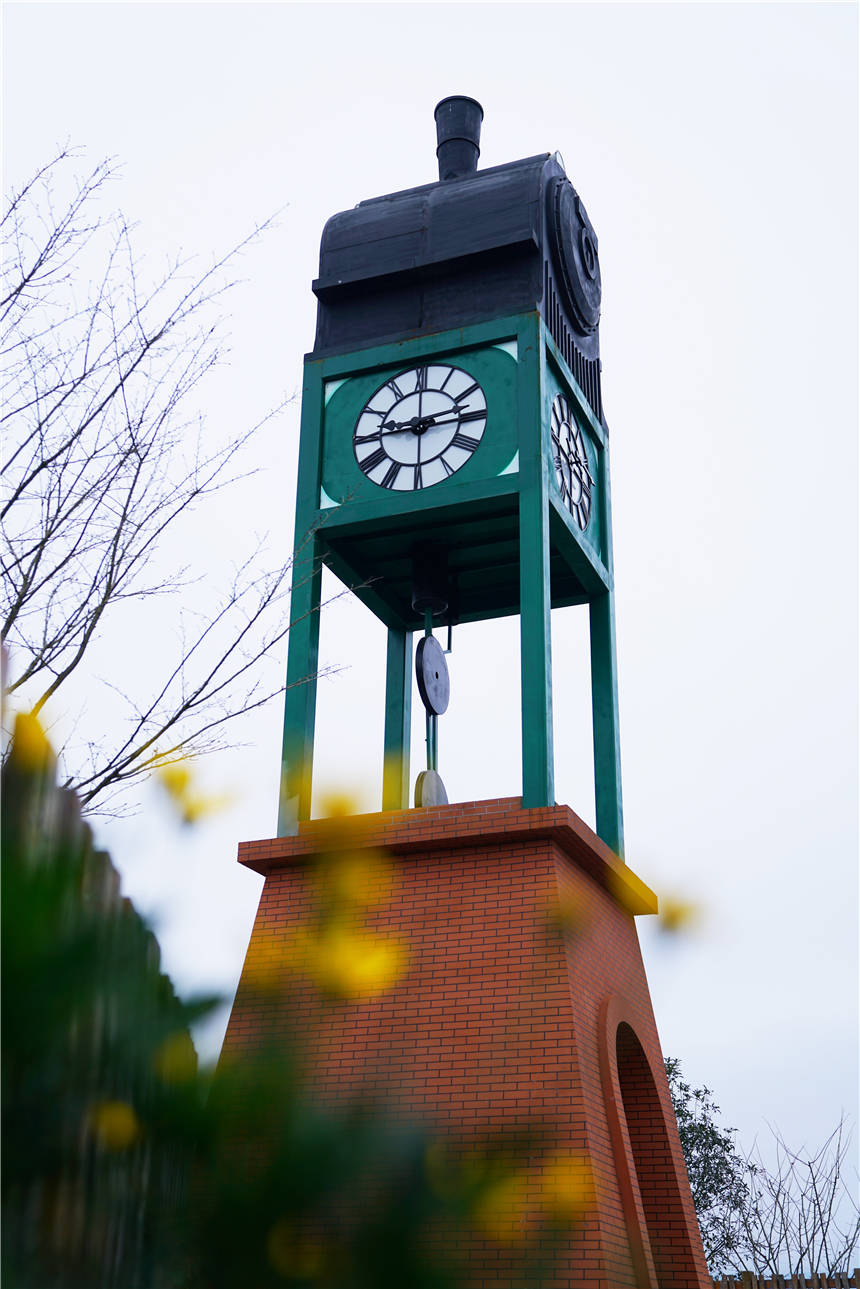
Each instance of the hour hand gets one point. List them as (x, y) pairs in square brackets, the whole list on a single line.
[(397, 427)]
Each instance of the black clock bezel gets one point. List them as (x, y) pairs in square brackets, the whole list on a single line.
[(573, 243)]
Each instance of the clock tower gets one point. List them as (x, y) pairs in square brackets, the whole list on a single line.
[(454, 467), (452, 405)]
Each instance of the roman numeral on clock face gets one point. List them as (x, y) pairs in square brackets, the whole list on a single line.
[(464, 441), (371, 462), (458, 398), (391, 475)]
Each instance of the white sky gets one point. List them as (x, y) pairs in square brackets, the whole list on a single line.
[(715, 147)]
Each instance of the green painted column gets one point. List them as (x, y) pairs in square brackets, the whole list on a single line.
[(604, 716), (303, 647), (535, 638), (300, 699), (605, 723), (398, 720)]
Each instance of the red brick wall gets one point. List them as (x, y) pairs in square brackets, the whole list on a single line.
[(521, 936)]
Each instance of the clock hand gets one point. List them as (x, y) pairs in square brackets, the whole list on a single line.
[(456, 420), (576, 463), (397, 427), (418, 424)]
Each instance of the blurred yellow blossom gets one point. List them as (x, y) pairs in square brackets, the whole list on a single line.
[(175, 1060), (560, 1189), (565, 1187), (564, 912), (502, 1210), (347, 962), (352, 963), (114, 1124), (362, 878), (677, 915), (31, 750), (177, 779), (338, 805)]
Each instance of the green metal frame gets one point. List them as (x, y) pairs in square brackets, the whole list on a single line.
[(536, 529), (398, 720)]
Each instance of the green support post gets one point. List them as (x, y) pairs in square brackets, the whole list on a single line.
[(535, 637), (609, 818), (300, 699), (294, 804), (604, 716), (398, 721)]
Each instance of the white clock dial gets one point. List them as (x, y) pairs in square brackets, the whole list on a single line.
[(571, 461), (420, 427)]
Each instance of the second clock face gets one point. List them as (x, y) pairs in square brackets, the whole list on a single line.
[(571, 461), (420, 427)]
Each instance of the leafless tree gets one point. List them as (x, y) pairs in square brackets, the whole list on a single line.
[(801, 1214), (105, 456)]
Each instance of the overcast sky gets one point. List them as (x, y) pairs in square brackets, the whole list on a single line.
[(715, 147)]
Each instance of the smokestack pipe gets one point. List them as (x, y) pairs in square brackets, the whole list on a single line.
[(458, 135)]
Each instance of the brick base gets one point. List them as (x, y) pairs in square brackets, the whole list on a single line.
[(525, 1001)]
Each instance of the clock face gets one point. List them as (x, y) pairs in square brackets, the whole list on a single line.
[(420, 427), (571, 461)]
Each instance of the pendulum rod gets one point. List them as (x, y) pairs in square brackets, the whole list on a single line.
[(432, 721)]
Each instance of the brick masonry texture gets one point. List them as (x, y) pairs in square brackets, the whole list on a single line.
[(524, 1002)]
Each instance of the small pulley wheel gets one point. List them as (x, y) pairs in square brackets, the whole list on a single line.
[(431, 670)]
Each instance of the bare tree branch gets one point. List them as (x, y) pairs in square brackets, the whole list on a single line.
[(105, 454), (801, 1216)]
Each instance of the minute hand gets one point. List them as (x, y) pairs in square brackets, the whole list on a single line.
[(456, 420)]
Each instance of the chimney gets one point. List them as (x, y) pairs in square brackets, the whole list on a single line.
[(458, 134)]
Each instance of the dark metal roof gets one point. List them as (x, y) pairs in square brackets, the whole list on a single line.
[(434, 224), (484, 245)]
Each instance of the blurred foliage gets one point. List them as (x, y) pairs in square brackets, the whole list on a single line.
[(96, 1141), (125, 1165)]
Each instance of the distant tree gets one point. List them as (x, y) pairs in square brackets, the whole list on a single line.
[(719, 1174), (801, 1215), (105, 453), (795, 1216)]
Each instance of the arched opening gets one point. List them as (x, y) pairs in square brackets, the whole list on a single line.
[(655, 1169)]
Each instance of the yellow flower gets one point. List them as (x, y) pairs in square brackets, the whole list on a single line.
[(345, 961), (565, 913), (364, 878), (565, 1189), (338, 805), (502, 1210), (175, 1060), (114, 1124), (177, 780), (677, 915), (31, 750), (355, 964), (293, 1256)]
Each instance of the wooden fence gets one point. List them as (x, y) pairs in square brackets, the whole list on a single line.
[(817, 1281)]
